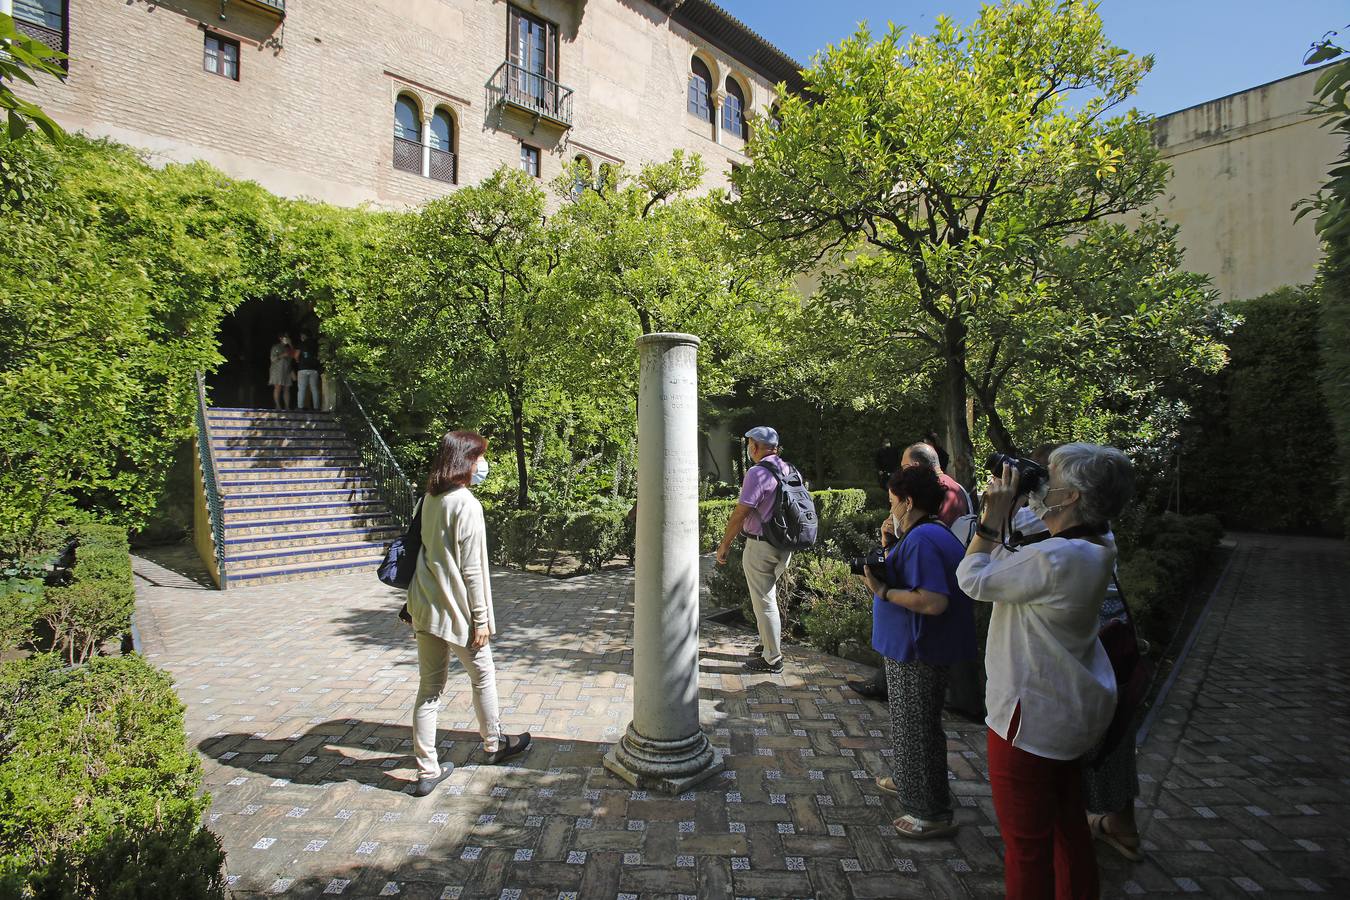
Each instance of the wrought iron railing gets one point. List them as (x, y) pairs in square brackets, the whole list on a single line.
[(517, 86), (276, 6), (215, 503), (442, 165), (394, 488), (407, 155)]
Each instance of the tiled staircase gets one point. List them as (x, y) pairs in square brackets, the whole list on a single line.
[(297, 502)]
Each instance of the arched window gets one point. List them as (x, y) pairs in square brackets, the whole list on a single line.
[(442, 146), (584, 174), (407, 135), (700, 90), (733, 110)]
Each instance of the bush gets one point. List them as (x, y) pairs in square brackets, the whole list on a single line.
[(514, 535), (837, 608), (835, 506), (99, 788), (713, 516), (1161, 572), (98, 604), (597, 536), (91, 535)]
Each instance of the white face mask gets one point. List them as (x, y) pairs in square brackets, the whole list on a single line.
[(480, 471), (1036, 501)]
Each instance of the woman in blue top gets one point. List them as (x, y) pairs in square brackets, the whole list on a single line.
[(922, 624)]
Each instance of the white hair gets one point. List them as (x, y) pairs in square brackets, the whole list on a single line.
[(1103, 477)]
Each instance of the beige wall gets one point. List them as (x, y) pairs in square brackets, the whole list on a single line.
[(1238, 164), (312, 112)]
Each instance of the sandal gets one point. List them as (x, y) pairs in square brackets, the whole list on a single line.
[(923, 829), (887, 784), (1127, 845)]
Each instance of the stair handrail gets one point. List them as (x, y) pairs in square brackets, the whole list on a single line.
[(393, 486), (215, 504)]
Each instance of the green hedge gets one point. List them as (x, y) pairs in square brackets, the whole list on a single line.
[(521, 536), (98, 602), (98, 788), (1161, 572)]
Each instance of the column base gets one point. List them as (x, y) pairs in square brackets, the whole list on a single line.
[(670, 767)]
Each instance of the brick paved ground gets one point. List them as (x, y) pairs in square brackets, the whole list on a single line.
[(299, 695)]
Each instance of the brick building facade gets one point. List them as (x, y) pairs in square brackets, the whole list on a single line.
[(393, 102)]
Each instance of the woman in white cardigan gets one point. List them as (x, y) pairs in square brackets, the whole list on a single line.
[(1051, 690), (450, 601)]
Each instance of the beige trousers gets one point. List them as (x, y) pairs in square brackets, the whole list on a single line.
[(764, 565), (433, 662)]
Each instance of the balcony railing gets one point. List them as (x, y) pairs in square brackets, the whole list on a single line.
[(442, 165), (407, 155), (54, 38), (518, 87), (275, 6)]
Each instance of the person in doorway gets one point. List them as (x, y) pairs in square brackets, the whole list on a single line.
[(763, 563), (280, 371), (887, 459), (922, 624), (450, 602), (307, 361), (1051, 692)]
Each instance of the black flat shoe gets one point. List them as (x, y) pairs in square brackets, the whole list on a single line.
[(869, 689), (512, 745), (425, 786), (757, 664)]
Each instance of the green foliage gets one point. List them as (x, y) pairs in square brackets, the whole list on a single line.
[(1262, 451), (20, 55), (1332, 206), (838, 606), (955, 192), (597, 536), (835, 507), (98, 603), (713, 516), (99, 787), (116, 278), (1158, 575)]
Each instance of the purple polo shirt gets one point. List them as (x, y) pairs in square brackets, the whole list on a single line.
[(759, 490)]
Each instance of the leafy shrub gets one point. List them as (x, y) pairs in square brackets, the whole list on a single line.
[(713, 516), (597, 536), (98, 604), (514, 535), (835, 506), (91, 535), (837, 607), (1160, 573), (100, 789)]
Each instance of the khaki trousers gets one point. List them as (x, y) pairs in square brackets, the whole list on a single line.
[(433, 662), (764, 565)]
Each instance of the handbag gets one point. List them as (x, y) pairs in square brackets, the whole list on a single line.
[(400, 560), (1133, 674)]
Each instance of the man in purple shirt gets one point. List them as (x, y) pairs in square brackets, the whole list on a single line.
[(763, 563)]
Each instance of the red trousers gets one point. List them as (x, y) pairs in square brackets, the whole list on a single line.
[(1048, 850)]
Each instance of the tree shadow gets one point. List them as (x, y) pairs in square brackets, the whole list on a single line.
[(171, 566)]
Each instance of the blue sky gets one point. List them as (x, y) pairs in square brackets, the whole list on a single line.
[(1202, 49)]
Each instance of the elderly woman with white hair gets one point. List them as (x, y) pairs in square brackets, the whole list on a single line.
[(1051, 691)]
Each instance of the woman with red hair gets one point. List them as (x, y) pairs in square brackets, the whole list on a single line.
[(450, 601)]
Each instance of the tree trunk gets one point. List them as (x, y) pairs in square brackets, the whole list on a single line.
[(518, 434), (953, 405), (994, 427)]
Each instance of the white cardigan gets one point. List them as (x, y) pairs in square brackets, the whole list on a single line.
[(451, 591), (1042, 649)]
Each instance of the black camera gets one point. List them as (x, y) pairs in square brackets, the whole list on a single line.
[(1033, 473), (874, 561)]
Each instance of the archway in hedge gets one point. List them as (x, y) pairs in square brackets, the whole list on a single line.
[(245, 338)]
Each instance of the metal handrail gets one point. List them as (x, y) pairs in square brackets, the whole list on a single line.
[(392, 485), (215, 504), (518, 86)]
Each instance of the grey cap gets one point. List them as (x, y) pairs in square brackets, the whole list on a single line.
[(763, 434)]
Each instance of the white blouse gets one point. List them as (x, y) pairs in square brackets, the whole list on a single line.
[(1042, 650)]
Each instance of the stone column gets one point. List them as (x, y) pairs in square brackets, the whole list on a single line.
[(426, 146), (664, 748)]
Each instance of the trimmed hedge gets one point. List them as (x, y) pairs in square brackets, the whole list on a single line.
[(520, 536), (98, 788), (1159, 574)]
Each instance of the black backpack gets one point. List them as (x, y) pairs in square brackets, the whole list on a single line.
[(793, 525)]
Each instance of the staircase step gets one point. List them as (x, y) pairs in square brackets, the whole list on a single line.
[(292, 474), (274, 558), (244, 483), (308, 539), (235, 428), (261, 512), (302, 571), (234, 412), (276, 461), (287, 527), (282, 444), (247, 499)]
